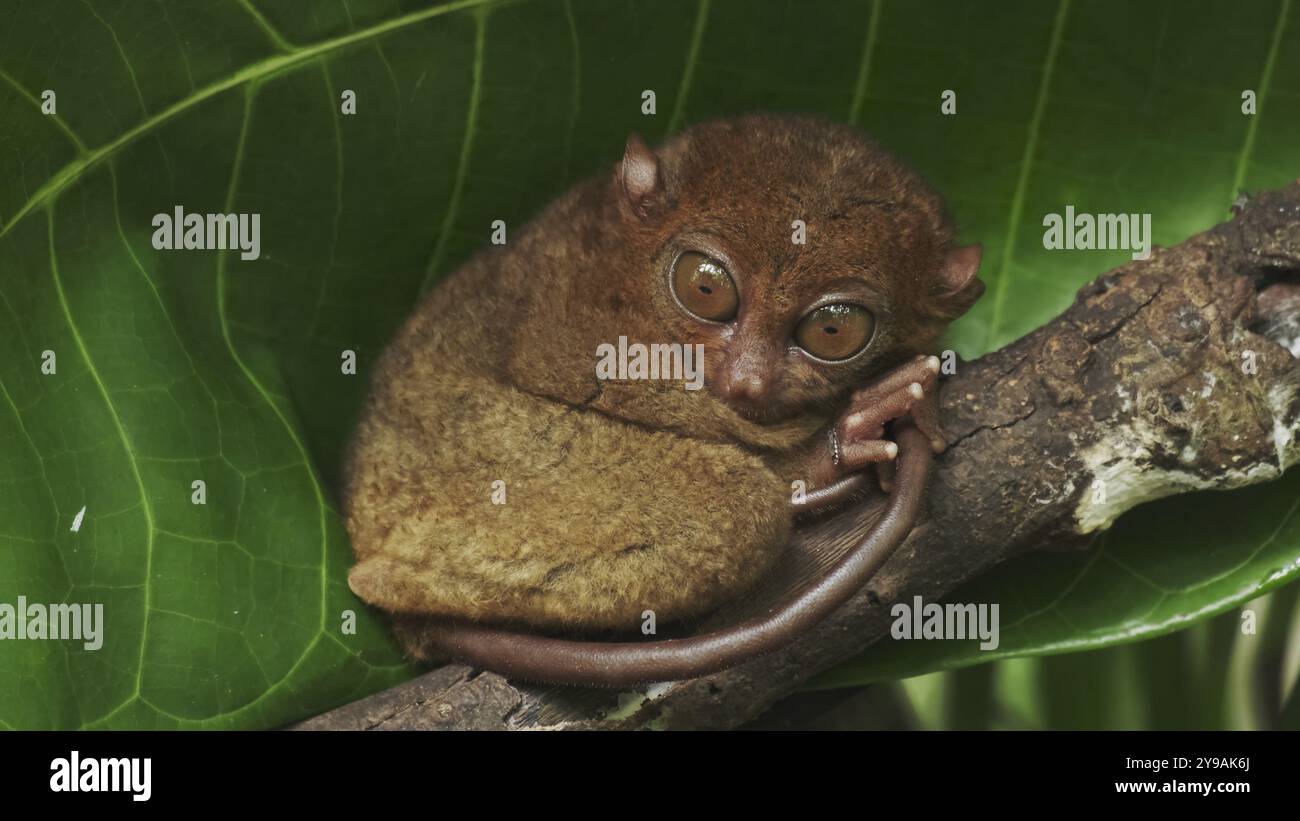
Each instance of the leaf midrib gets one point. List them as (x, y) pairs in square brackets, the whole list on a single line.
[(260, 70)]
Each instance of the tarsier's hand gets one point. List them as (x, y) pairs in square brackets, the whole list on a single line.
[(857, 440)]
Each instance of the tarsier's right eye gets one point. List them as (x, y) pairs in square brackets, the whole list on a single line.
[(704, 287)]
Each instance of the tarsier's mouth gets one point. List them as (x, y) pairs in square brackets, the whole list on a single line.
[(769, 411), (765, 415)]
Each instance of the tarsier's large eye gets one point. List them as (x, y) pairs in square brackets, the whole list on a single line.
[(835, 332), (704, 287)]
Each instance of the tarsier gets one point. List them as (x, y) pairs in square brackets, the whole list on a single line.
[(622, 497)]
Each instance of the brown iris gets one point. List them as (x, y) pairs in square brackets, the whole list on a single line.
[(835, 332), (705, 288)]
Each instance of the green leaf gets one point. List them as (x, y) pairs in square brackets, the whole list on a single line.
[(1117, 108), (1229, 672), (1163, 567), (174, 366)]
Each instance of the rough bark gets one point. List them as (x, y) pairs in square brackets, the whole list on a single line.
[(1170, 374)]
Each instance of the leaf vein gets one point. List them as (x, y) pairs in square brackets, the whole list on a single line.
[(145, 506), (864, 66), (1022, 180), (466, 150), (260, 70), (1266, 80), (688, 74)]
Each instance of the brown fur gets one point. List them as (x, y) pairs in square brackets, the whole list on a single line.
[(633, 496)]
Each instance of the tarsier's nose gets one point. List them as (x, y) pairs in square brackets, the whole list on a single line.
[(746, 387), (747, 379)]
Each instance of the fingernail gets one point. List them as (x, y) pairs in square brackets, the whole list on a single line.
[(932, 363), (915, 390), (892, 450)]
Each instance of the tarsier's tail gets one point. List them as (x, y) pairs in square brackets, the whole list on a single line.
[(614, 664)]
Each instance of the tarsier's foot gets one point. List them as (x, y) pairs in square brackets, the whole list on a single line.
[(858, 439), (857, 442), (925, 415)]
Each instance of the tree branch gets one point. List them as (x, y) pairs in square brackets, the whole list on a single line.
[(1171, 374)]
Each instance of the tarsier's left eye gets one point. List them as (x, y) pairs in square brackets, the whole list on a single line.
[(835, 332)]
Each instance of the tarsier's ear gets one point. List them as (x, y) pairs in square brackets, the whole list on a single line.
[(958, 287), (639, 176)]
